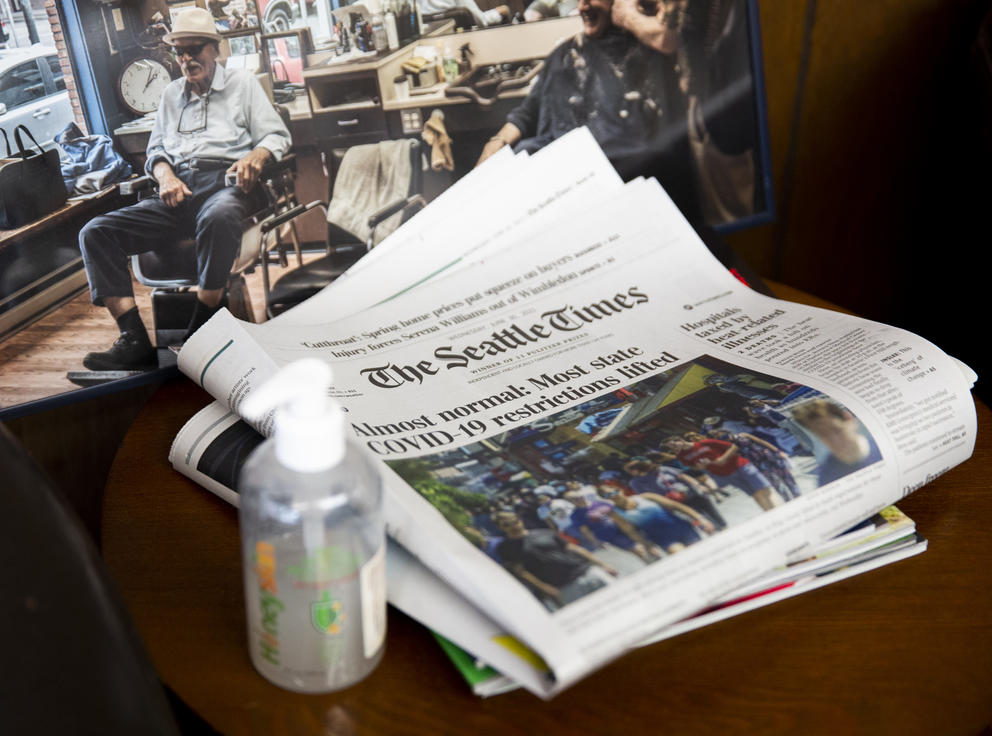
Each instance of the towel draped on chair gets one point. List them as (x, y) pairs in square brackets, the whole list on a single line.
[(371, 176)]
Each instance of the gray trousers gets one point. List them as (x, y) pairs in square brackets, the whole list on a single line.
[(213, 215)]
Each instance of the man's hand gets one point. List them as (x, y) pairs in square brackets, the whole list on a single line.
[(508, 135), (249, 167), (171, 188), (492, 146), (652, 30), (625, 13)]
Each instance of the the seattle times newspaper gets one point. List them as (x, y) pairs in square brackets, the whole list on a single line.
[(567, 349)]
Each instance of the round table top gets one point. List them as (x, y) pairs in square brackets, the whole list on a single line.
[(905, 649)]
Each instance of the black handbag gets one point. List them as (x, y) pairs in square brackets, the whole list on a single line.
[(31, 184)]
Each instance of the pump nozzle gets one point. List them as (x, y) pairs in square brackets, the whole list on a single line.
[(308, 427)]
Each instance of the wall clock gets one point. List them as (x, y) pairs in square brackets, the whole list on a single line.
[(141, 83)]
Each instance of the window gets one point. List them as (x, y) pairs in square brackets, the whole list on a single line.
[(21, 84), (57, 76)]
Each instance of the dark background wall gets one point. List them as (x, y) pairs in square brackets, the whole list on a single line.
[(880, 167)]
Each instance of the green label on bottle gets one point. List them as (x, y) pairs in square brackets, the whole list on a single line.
[(326, 615)]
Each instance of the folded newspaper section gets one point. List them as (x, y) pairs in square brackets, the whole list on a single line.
[(590, 429), (888, 537)]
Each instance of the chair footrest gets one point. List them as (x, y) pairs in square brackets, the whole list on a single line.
[(304, 281)]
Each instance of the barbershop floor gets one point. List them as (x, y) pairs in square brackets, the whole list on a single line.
[(34, 361)]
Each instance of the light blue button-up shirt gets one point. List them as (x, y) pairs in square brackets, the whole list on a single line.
[(233, 118)]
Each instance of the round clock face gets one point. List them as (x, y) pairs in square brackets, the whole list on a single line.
[(141, 85)]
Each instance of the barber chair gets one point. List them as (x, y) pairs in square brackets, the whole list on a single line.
[(343, 247), (172, 273), (75, 660), (464, 20)]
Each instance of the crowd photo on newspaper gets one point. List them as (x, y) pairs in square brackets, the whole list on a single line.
[(598, 491)]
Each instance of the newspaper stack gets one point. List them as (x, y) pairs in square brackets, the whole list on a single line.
[(592, 435)]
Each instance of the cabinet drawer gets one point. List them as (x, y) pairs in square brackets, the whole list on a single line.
[(349, 120)]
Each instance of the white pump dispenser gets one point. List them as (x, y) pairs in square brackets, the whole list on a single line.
[(313, 539), (308, 428)]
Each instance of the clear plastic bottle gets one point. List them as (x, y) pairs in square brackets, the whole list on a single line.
[(379, 37), (450, 65), (312, 540), (392, 32)]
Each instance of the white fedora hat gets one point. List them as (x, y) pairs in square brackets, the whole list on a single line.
[(193, 23)]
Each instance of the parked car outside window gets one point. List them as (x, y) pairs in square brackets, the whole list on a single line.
[(33, 93)]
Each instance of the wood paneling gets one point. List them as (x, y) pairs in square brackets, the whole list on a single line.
[(879, 206)]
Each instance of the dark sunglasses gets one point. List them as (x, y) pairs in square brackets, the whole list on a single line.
[(192, 51)]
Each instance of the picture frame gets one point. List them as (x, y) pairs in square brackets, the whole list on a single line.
[(243, 50), (232, 16), (176, 6)]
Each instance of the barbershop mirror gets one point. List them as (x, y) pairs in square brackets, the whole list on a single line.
[(285, 55)]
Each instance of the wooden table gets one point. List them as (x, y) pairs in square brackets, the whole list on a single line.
[(41, 263), (906, 649), (69, 210)]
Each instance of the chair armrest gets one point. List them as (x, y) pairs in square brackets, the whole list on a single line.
[(393, 207), (144, 183), (136, 185), (273, 167), (272, 222)]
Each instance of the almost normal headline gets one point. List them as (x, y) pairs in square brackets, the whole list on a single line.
[(517, 402)]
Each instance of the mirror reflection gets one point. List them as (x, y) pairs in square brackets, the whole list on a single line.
[(430, 89)]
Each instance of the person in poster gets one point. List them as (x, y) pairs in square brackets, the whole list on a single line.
[(710, 44), (211, 122), (624, 91)]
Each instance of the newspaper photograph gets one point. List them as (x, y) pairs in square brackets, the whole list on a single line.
[(613, 501), (594, 430)]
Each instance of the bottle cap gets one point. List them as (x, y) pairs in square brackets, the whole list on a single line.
[(308, 426)]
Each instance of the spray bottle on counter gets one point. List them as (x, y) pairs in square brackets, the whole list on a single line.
[(312, 539), (450, 65), (392, 31)]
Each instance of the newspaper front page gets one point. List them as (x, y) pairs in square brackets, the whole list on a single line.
[(608, 362)]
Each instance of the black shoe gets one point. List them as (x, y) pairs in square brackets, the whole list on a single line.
[(201, 315), (130, 352)]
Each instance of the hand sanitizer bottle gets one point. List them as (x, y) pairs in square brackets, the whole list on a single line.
[(312, 539)]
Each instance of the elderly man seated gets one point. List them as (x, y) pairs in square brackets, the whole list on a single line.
[(624, 91), (210, 123)]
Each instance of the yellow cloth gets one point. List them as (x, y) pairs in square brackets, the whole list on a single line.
[(437, 138)]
